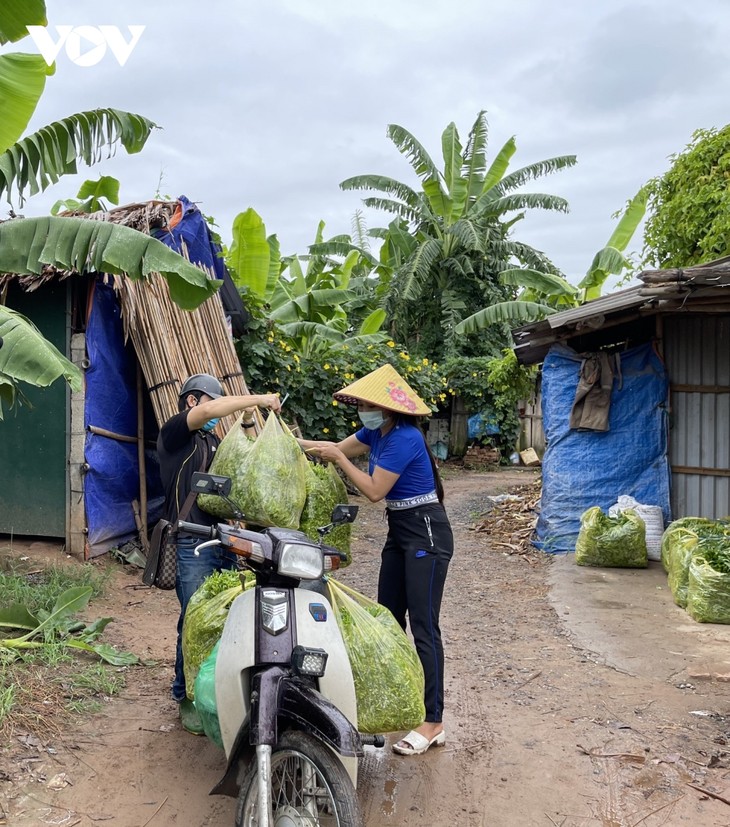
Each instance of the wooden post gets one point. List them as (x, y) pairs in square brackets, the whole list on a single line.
[(141, 461)]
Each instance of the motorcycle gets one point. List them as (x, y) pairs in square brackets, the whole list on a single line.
[(283, 683)]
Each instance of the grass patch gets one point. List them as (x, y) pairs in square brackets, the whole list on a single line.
[(42, 689)]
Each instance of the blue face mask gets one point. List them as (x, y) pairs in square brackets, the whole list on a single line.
[(210, 424), (372, 420)]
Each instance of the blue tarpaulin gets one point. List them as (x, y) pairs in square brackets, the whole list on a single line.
[(112, 480), (581, 469)]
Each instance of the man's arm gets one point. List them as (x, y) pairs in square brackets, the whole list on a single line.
[(225, 405)]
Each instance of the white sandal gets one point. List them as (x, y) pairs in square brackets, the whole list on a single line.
[(416, 744)]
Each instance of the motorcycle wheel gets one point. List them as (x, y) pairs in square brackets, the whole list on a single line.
[(309, 787)]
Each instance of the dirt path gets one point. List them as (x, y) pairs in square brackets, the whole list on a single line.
[(544, 728)]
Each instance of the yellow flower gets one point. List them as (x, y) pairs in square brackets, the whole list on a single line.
[(325, 430), (288, 348), (473, 374), (404, 356), (296, 358), (334, 403), (424, 361), (326, 366), (288, 367), (370, 347), (390, 344), (442, 396), (354, 424)]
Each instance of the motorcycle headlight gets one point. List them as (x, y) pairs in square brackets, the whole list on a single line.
[(301, 561)]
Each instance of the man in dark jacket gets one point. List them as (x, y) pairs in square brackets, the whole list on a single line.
[(187, 444)]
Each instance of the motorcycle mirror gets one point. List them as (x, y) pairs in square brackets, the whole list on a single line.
[(211, 484), (344, 513)]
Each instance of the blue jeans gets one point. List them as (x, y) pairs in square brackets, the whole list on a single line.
[(191, 571)]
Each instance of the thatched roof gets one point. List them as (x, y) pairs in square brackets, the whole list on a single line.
[(170, 343)]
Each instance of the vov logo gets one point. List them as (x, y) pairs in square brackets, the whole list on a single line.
[(85, 45)]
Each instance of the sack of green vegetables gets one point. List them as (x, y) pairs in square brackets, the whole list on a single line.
[(268, 474), (708, 589), (618, 541), (325, 489), (385, 665), (205, 617), (679, 543), (205, 701), (228, 460)]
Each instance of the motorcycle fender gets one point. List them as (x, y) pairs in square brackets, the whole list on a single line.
[(309, 711), (280, 701), (236, 656)]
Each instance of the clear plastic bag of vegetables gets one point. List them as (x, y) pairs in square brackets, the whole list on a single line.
[(205, 617), (325, 489), (674, 536), (708, 589), (618, 541), (269, 477), (680, 542), (385, 665), (205, 701), (228, 461)]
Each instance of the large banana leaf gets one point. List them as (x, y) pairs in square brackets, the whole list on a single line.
[(27, 244), (499, 165), (547, 283), (373, 322), (515, 311), (41, 158), (17, 15), (475, 157), (609, 260), (22, 81), (26, 356), (250, 254)]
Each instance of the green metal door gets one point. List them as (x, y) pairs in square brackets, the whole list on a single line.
[(33, 441)]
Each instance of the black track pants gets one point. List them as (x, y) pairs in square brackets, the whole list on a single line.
[(413, 569)]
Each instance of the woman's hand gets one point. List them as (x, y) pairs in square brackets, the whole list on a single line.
[(327, 452)]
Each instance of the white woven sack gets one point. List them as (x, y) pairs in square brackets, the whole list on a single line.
[(653, 520)]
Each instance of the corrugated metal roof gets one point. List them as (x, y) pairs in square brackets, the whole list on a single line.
[(706, 285)]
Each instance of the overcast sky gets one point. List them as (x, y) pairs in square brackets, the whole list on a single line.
[(271, 104)]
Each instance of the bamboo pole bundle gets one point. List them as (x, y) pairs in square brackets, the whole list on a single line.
[(172, 344)]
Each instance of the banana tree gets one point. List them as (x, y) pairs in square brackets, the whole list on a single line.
[(31, 164), (610, 260), (451, 238), (312, 304)]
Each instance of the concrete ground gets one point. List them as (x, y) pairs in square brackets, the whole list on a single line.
[(628, 618)]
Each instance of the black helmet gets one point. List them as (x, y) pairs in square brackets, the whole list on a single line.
[(203, 382)]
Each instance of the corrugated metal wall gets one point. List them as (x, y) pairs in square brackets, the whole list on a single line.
[(697, 354)]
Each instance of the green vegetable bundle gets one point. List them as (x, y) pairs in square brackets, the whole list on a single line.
[(229, 460), (676, 534), (205, 617), (325, 489), (205, 701), (618, 541), (681, 542), (268, 474), (708, 591), (386, 668)]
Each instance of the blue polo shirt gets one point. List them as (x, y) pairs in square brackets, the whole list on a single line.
[(401, 451)]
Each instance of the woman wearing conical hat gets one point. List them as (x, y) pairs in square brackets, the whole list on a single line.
[(419, 546)]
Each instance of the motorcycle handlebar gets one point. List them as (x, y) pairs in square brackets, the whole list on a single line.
[(199, 530)]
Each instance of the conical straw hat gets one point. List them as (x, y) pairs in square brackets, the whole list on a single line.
[(386, 388)]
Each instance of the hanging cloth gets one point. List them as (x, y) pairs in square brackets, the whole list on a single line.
[(592, 403)]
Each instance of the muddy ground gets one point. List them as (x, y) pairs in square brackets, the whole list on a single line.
[(573, 697)]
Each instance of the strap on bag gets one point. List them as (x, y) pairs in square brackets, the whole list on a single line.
[(165, 532)]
